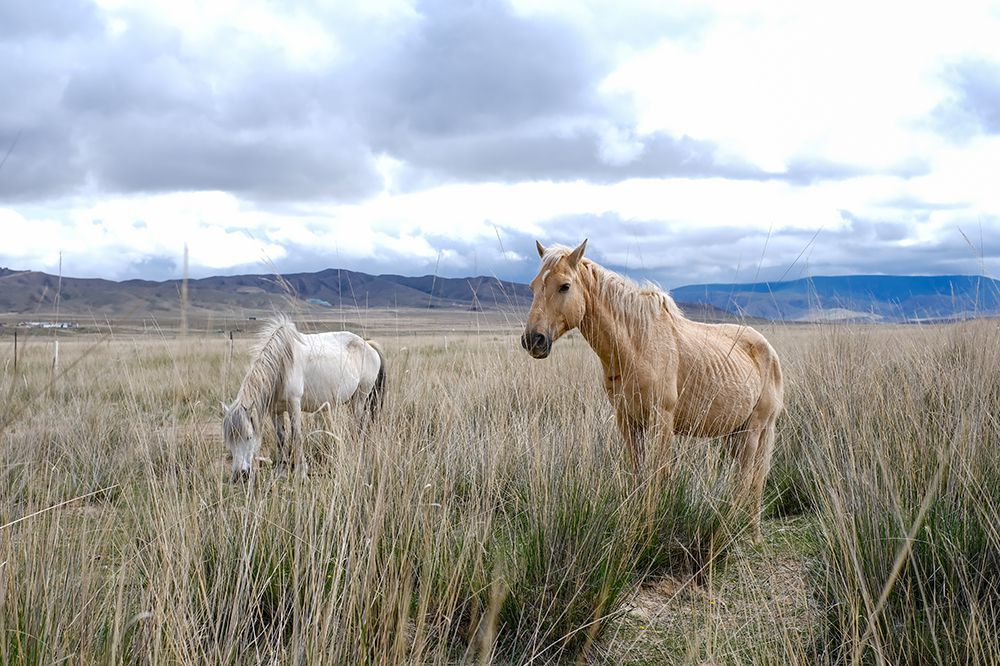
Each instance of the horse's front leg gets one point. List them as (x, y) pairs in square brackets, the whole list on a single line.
[(632, 435), (279, 431), (662, 436), (298, 441)]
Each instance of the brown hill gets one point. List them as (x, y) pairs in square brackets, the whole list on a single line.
[(27, 292), (33, 294)]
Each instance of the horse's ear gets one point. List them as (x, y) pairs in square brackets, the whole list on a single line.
[(540, 248), (577, 254)]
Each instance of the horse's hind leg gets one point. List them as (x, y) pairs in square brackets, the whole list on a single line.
[(753, 448), (762, 466), (361, 416)]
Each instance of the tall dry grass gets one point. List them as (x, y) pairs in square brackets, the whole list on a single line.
[(899, 437), (488, 518)]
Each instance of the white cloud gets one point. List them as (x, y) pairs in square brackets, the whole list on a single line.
[(774, 81)]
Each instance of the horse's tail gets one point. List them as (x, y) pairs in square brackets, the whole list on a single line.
[(376, 398)]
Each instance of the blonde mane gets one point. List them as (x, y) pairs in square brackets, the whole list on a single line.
[(273, 356), (638, 305)]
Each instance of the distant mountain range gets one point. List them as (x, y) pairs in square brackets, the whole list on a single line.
[(885, 298), (882, 298), (23, 292)]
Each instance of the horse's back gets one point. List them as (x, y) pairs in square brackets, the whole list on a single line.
[(335, 365)]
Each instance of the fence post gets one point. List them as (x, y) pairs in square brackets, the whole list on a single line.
[(15, 350)]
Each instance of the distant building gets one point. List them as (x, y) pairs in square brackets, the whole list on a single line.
[(318, 301), (47, 324)]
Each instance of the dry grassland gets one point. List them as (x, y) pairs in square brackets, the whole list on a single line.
[(489, 518)]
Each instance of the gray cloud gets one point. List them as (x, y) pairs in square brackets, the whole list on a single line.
[(559, 157), (154, 268), (296, 163), (48, 18), (142, 112), (473, 67), (41, 163), (809, 170), (458, 91), (675, 255), (974, 107)]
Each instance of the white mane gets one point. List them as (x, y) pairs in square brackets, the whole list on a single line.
[(273, 355)]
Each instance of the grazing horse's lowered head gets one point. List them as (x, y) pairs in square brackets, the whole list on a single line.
[(559, 304), (242, 437)]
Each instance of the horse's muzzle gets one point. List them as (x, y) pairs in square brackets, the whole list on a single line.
[(241, 476), (536, 344)]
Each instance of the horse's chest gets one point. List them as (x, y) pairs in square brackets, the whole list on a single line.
[(625, 392)]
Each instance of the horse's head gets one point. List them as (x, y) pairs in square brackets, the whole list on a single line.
[(239, 429), (558, 304)]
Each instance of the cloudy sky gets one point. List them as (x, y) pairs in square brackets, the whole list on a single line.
[(690, 141)]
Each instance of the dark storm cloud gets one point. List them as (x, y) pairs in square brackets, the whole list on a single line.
[(974, 107)]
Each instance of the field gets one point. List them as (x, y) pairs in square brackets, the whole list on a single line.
[(489, 518)]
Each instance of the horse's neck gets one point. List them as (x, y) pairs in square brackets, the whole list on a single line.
[(253, 396), (603, 326), (259, 387)]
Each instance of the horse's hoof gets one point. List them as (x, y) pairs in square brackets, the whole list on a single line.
[(241, 476)]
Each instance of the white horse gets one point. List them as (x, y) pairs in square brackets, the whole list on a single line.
[(294, 372)]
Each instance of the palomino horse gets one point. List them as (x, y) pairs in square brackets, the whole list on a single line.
[(664, 374), (292, 372)]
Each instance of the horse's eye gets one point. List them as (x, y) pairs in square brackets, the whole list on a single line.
[(564, 288)]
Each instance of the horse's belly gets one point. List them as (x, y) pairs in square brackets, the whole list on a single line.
[(718, 418), (713, 407), (328, 385)]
